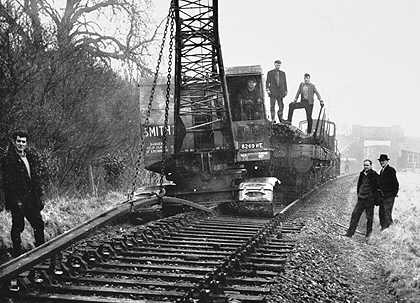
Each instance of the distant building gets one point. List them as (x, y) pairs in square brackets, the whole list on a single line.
[(367, 142), (410, 153)]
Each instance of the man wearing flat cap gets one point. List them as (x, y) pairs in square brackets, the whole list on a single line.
[(276, 87), (388, 187)]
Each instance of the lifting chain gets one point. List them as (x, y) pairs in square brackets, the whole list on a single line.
[(167, 97), (139, 162)]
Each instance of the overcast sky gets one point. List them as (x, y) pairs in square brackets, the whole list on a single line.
[(363, 55)]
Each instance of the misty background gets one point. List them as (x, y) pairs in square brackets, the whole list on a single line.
[(363, 56), (67, 75)]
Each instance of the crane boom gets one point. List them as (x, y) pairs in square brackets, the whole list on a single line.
[(201, 109), (223, 147)]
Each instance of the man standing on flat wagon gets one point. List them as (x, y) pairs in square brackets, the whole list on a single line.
[(388, 187), (276, 87), (367, 190), (306, 91), (23, 191)]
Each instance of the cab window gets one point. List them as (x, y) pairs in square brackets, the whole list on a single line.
[(246, 98)]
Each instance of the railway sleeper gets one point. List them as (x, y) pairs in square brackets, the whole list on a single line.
[(268, 256), (248, 280), (132, 282), (198, 242), (230, 227), (131, 258), (238, 221), (211, 235), (157, 267), (194, 246), (71, 298), (263, 266), (246, 289), (128, 273), (154, 275), (274, 260), (277, 247), (131, 293), (165, 261), (160, 284), (289, 231), (206, 239), (228, 297), (255, 273), (270, 250), (281, 241), (179, 250), (186, 255), (219, 230)]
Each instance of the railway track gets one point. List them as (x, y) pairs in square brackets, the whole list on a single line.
[(191, 257)]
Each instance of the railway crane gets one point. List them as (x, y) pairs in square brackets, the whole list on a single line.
[(209, 150)]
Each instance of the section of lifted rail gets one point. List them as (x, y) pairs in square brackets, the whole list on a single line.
[(25, 261), (12, 269)]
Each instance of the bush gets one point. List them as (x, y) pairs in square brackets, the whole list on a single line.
[(114, 168)]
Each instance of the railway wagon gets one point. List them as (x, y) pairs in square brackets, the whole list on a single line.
[(298, 161)]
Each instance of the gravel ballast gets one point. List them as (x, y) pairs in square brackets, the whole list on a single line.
[(325, 266)]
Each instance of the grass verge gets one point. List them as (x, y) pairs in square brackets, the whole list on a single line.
[(60, 214), (401, 241)]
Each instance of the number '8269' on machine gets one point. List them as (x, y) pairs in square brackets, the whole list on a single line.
[(251, 129)]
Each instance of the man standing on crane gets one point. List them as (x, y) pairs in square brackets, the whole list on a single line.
[(306, 91), (276, 87)]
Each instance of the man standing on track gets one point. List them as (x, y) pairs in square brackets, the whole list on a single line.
[(23, 191), (367, 189), (388, 187), (276, 87)]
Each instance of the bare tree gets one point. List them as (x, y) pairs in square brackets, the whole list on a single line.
[(56, 80), (78, 26)]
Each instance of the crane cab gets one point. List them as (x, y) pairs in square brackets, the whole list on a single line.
[(250, 127)]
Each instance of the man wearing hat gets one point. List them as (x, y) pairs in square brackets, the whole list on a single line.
[(388, 187), (276, 87)]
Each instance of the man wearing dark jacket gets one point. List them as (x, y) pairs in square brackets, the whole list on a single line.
[(22, 191), (367, 189), (250, 102), (276, 87), (388, 187)]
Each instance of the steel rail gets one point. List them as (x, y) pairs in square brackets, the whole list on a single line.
[(253, 251), (220, 273), (285, 211), (24, 262)]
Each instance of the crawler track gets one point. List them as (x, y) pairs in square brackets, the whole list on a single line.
[(194, 257)]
